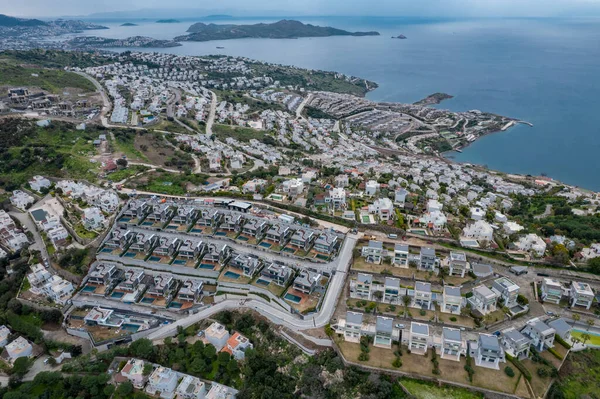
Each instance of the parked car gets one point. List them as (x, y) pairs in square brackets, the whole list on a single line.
[(401, 326)]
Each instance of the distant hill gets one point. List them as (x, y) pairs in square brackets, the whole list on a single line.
[(167, 21), (129, 24), (8, 21), (284, 29)]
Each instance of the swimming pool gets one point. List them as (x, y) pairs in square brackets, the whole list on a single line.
[(147, 223), (289, 250), (179, 262), (88, 288), (263, 282), (130, 254), (175, 305), (154, 259), (232, 275), (243, 238), (292, 298), (265, 244), (125, 219), (322, 257), (147, 300), (172, 227), (220, 233), (106, 250), (196, 230), (207, 266), (117, 295), (130, 327)]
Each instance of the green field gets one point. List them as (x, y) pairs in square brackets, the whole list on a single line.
[(579, 376), (244, 134), (51, 80), (427, 390)]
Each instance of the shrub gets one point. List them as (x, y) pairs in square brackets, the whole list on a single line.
[(521, 367), (509, 371), (562, 342), (543, 372), (422, 312), (453, 318), (363, 357), (397, 363), (555, 353)]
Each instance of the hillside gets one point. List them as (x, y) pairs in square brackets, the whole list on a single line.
[(7, 21), (284, 29)]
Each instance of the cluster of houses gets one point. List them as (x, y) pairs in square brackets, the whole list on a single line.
[(578, 293), (487, 350), (166, 383), (426, 259), (11, 237), (48, 285), (49, 222), (50, 104)]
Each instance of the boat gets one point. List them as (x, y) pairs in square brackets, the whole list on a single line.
[(219, 47)]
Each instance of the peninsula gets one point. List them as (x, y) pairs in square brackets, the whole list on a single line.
[(435, 98), (91, 42), (284, 29), (167, 21), (129, 24)]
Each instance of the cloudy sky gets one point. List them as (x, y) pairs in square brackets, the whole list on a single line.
[(428, 8)]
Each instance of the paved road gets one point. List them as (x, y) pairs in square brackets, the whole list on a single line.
[(37, 367), (29, 225), (302, 105), (211, 114)]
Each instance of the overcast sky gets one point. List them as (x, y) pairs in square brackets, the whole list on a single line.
[(429, 8)]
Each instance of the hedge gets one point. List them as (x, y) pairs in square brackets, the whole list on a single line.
[(520, 366), (555, 353), (561, 341)]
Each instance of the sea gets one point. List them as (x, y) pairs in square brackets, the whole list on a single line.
[(543, 71)]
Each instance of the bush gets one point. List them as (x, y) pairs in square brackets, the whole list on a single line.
[(520, 366), (555, 353), (397, 363), (422, 312), (363, 357), (453, 318), (562, 342), (509, 371), (543, 372)]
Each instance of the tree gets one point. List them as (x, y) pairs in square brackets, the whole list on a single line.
[(142, 348), (125, 389), (122, 163), (147, 369), (590, 323), (594, 265), (585, 337), (576, 317), (21, 366)]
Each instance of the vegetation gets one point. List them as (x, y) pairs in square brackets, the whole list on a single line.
[(54, 58), (244, 134), (579, 376), (76, 260), (54, 81), (426, 390)]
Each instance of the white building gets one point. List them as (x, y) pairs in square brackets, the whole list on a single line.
[(507, 290), (487, 351), (457, 263), (384, 329), (540, 334), (400, 197), (20, 347), (38, 183), (483, 299), (423, 298), (512, 228), (452, 300), (532, 243), (453, 346), (217, 335), (477, 213), (191, 388), (162, 382), (581, 294), (4, 334), (371, 187), (383, 208), (353, 326), (336, 198), (551, 290), (515, 344), (419, 339), (134, 372), (21, 199), (400, 255), (93, 219), (480, 230), (373, 253)]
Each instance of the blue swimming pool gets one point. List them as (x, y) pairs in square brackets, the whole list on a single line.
[(243, 238), (292, 298), (179, 262), (206, 266), (220, 233), (106, 250), (147, 223), (117, 295), (196, 230), (88, 288), (290, 250), (147, 300), (232, 275), (172, 227), (130, 327), (175, 305), (154, 259), (263, 282), (265, 244), (130, 255), (125, 219)]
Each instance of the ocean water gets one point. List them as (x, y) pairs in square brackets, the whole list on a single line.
[(544, 71)]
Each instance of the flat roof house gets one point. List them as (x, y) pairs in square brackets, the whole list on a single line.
[(483, 299), (248, 264), (541, 334), (4, 334), (217, 335), (551, 290), (20, 347), (507, 290), (353, 328), (451, 300), (134, 372), (428, 260), (457, 263), (255, 228), (103, 274), (419, 338), (400, 255), (361, 286), (162, 382), (162, 285), (190, 290), (278, 233), (132, 280), (231, 221), (487, 351), (191, 388), (373, 253), (423, 297), (237, 345), (562, 328), (581, 294), (208, 217), (383, 332), (391, 293), (453, 345), (185, 215), (302, 238), (515, 344), (192, 249)]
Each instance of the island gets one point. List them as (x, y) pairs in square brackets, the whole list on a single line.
[(129, 24), (399, 37), (435, 98), (167, 21), (91, 42), (284, 29)]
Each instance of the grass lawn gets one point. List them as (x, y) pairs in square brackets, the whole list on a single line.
[(538, 383), (54, 81), (125, 173), (427, 390), (594, 339), (461, 321), (85, 233), (579, 376)]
